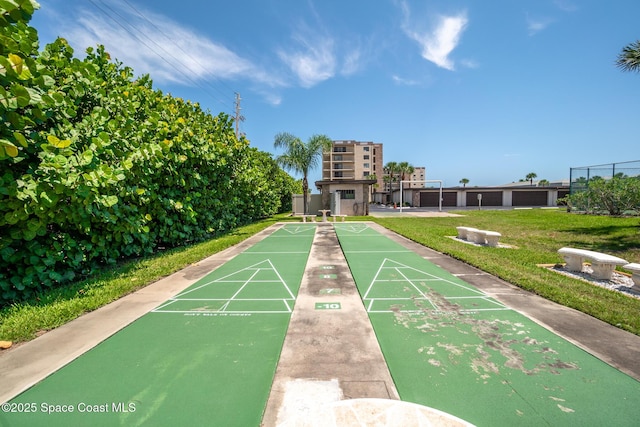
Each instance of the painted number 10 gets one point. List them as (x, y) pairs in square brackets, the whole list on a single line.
[(328, 306)]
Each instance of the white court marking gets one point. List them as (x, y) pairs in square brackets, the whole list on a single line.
[(356, 228), (237, 277), (403, 271)]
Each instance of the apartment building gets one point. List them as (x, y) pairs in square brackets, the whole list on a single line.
[(417, 175), (348, 172), (353, 160)]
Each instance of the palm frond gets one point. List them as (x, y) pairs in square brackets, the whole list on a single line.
[(629, 58)]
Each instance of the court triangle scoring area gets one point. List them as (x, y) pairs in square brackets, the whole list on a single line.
[(352, 228), (399, 287), (258, 288), (298, 229)]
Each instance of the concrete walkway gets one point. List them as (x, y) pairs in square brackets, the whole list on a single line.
[(331, 352), (328, 355)]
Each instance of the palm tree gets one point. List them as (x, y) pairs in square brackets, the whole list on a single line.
[(530, 177), (629, 58), (391, 168), (404, 168), (299, 157), (464, 182), (374, 187)]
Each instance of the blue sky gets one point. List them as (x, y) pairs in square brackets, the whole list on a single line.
[(485, 90)]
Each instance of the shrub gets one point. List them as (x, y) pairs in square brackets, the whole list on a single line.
[(96, 166), (615, 196)]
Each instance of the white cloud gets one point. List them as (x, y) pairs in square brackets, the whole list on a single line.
[(316, 56), (469, 63), (565, 5), (535, 25), (352, 62), (404, 82), (154, 44), (313, 62), (438, 43)]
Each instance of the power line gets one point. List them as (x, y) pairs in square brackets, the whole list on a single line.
[(172, 65), (170, 40)]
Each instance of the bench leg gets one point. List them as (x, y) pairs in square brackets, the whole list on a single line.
[(304, 219), (636, 280), (342, 218), (602, 271), (476, 237), (574, 263), (492, 241)]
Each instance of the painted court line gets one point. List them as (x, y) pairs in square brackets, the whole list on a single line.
[(388, 265), (377, 252), (224, 308), (271, 252)]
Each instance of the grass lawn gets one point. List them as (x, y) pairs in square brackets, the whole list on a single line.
[(24, 321), (537, 234)]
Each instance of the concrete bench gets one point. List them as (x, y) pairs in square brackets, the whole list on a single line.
[(463, 232), (476, 236), (602, 264), (482, 237), (342, 217), (492, 238), (635, 273), (311, 217)]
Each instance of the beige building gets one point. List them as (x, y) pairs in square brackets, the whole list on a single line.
[(350, 172), (418, 175), (353, 160)]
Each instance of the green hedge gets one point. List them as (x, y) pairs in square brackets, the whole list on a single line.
[(96, 165)]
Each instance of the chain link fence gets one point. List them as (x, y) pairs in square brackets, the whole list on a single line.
[(581, 176)]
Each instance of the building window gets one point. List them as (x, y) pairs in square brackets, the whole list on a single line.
[(366, 157), (339, 149), (365, 148), (366, 173), (366, 165), (337, 174), (348, 194)]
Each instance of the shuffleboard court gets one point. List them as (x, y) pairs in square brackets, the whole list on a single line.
[(205, 357), (451, 347)]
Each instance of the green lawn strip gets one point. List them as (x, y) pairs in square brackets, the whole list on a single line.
[(536, 236), (492, 367), (23, 321), (204, 367)]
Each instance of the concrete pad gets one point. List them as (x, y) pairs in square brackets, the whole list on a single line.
[(376, 412)]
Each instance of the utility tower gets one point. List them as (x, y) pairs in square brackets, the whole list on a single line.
[(239, 118)]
